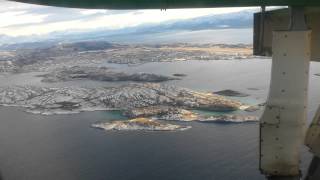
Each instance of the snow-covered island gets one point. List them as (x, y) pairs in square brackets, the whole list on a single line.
[(144, 98), (142, 103), (94, 53), (177, 114), (58, 100), (100, 74), (152, 122), (143, 124), (230, 118)]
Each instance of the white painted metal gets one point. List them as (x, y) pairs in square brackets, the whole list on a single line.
[(282, 124), (313, 135), (279, 20)]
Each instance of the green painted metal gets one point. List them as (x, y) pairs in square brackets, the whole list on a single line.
[(168, 4)]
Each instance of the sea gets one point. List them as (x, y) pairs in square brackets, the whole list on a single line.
[(65, 147)]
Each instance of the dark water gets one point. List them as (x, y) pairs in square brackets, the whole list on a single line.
[(64, 147), (34, 147)]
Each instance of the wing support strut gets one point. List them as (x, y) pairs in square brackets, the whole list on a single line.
[(282, 125)]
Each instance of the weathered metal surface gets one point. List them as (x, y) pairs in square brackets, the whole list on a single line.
[(314, 169), (282, 124), (283, 178), (279, 20), (313, 135), (168, 4)]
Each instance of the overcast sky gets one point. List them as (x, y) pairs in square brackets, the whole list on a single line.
[(25, 19)]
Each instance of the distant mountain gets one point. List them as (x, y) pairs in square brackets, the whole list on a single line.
[(85, 46), (28, 45), (242, 19)]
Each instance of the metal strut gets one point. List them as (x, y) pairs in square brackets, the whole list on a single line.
[(261, 34), (282, 125), (313, 135)]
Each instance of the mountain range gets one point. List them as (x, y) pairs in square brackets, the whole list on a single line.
[(242, 19)]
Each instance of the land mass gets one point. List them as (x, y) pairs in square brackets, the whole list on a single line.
[(145, 102), (45, 100), (233, 93), (95, 53), (150, 124), (178, 114), (100, 74), (143, 124)]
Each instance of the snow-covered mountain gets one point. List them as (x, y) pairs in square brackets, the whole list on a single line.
[(242, 19)]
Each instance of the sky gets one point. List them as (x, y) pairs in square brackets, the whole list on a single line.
[(19, 19)]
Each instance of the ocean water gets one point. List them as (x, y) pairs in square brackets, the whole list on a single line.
[(65, 147)]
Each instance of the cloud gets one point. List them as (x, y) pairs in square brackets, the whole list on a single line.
[(7, 6), (25, 19), (19, 17)]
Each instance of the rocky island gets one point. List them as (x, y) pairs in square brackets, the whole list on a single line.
[(100, 74), (233, 93), (142, 103), (230, 118), (95, 53), (146, 119), (179, 75), (46, 100), (142, 124), (178, 114), (146, 103)]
